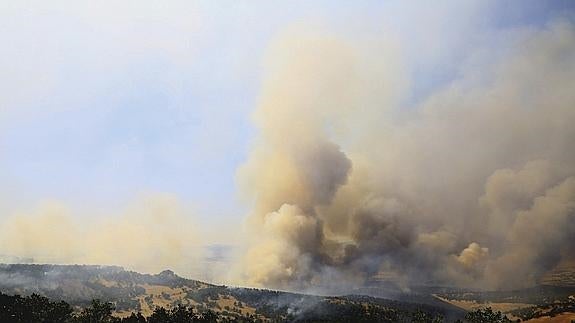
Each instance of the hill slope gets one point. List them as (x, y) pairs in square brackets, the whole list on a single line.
[(134, 292)]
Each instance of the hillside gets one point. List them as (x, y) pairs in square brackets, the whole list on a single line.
[(135, 292), (562, 275), (543, 302)]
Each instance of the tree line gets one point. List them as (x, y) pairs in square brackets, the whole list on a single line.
[(39, 309)]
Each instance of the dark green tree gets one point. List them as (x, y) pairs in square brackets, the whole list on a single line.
[(486, 315), (33, 308), (181, 314), (207, 316), (134, 318), (424, 317), (160, 315), (98, 312)]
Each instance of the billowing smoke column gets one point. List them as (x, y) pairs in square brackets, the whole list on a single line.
[(474, 186)]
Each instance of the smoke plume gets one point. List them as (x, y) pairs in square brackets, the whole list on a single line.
[(472, 186)]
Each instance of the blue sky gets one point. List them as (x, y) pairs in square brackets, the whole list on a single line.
[(102, 101)]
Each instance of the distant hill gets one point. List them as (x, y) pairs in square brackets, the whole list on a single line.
[(533, 304), (135, 292), (562, 275)]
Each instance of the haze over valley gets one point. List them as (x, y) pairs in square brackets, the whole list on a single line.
[(290, 161)]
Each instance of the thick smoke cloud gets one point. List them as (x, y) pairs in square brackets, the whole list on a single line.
[(474, 186), (153, 234)]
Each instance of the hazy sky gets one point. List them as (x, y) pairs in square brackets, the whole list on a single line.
[(101, 101)]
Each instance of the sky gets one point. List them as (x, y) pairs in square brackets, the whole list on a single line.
[(102, 102)]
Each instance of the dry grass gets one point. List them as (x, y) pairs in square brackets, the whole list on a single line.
[(230, 302), (161, 296), (167, 297), (108, 283), (561, 318), (473, 305)]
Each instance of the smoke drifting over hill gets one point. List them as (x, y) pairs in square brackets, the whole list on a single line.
[(151, 235), (376, 152), (473, 186)]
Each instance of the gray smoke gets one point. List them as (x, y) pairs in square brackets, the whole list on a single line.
[(475, 186)]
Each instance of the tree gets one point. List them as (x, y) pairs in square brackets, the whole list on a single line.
[(135, 318), (208, 316), (33, 308), (59, 312), (182, 314), (423, 317), (98, 312), (486, 315), (160, 315)]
